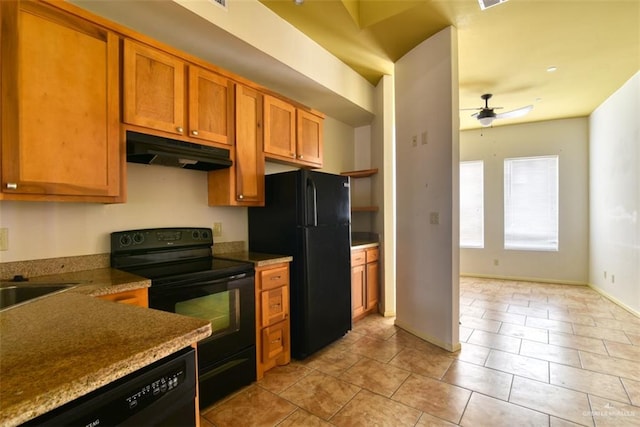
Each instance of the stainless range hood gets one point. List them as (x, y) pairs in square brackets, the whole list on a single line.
[(155, 150)]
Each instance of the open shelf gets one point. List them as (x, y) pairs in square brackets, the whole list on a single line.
[(364, 173), (361, 173)]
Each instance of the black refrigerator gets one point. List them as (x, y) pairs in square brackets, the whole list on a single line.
[(307, 215)]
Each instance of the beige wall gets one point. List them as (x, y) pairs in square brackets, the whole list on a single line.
[(568, 139)]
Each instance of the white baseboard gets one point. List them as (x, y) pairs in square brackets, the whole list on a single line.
[(614, 300), (525, 279)]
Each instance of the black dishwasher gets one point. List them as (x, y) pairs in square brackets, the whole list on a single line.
[(161, 394)]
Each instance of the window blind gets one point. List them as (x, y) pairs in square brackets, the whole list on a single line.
[(531, 203), (472, 204)]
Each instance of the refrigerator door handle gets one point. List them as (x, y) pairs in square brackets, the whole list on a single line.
[(312, 197)]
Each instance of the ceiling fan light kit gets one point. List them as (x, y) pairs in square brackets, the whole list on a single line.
[(486, 116)]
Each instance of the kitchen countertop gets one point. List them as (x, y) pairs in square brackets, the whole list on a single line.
[(363, 244), (97, 282), (63, 346), (258, 259)]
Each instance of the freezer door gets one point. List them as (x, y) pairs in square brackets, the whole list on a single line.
[(324, 291), (325, 198)]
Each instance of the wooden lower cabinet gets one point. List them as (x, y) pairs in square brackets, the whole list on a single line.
[(138, 297), (273, 342), (365, 292)]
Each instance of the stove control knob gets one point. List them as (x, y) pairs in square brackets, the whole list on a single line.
[(125, 240), (138, 238), (205, 234), (195, 234)]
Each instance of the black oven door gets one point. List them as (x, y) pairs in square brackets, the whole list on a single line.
[(228, 303)]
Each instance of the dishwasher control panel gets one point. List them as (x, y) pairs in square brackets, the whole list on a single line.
[(155, 389)]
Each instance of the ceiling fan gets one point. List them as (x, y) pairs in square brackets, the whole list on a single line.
[(486, 115)]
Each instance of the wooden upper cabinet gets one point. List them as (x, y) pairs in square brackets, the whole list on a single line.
[(243, 183), (60, 106), (309, 138), (292, 135), (210, 106), (165, 93), (279, 129), (154, 89)]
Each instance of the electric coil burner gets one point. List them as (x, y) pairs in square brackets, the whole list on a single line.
[(187, 279)]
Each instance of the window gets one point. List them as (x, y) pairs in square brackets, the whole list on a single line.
[(471, 204), (531, 203)]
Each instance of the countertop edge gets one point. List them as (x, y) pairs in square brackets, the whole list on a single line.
[(358, 246)]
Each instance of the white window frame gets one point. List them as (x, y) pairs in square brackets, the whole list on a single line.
[(472, 215), (531, 203)]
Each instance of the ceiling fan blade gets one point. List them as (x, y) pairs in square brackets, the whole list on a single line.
[(470, 109), (515, 113)]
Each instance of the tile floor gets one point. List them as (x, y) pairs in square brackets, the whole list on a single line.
[(532, 355)]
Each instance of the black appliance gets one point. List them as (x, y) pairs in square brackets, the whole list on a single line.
[(307, 215), (187, 279), (156, 150), (160, 394)]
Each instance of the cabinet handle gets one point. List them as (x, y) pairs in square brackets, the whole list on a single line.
[(274, 306), (240, 197), (300, 156), (293, 155), (275, 341), (275, 278), (12, 186), (194, 132), (180, 129)]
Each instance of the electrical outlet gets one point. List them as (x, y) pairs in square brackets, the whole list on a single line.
[(613, 278), (4, 239), (434, 218), (414, 141), (424, 138), (605, 274), (217, 229), (496, 262)]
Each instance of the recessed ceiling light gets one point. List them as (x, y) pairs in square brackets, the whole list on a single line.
[(551, 69), (298, 2)]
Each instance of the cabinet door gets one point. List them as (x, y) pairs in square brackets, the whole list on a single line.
[(60, 121), (372, 286), (279, 128), (210, 106), (153, 88), (249, 161), (275, 305), (358, 282), (275, 341), (309, 138)]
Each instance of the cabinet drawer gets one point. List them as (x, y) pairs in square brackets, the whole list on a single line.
[(274, 277), (275, 305), (139, 297), (372, 254), (274, 340), (358, 258)]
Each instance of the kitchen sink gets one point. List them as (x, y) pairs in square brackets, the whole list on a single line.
[(12, 294)]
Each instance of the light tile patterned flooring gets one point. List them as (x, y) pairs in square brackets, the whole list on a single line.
[(532, 355)]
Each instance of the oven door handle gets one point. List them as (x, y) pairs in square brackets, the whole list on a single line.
[(223, 280)]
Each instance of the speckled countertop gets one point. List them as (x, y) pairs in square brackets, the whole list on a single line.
[(58, 348), (258, 259)]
